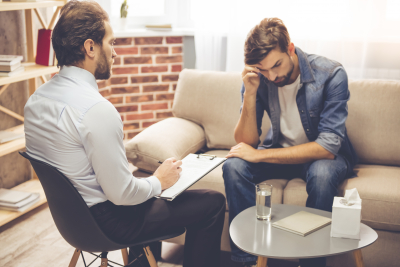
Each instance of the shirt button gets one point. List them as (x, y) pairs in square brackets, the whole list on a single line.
[(308, 130), (302, 111)]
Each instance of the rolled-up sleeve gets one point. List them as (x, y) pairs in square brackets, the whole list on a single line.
[(333, 116), (102, 135)]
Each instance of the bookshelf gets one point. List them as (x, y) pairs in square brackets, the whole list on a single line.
[(31, 73)]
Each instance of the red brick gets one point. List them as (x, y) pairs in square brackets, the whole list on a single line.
[(125, 70), (168, 59), (140, 116), (174, 87), (123, 41), (127, 108), (131, 126), (162, 115), (117, 61), (126, 50), (132, 134), (177, 50), (119, 80), (155, 88), (125, 90), (148, 40), (105, 93), (116, 100), (139, 98), (144, 79), (155, 106), (154, 50), (146, 124), (170, 78), (145, 69), (101, 84), (122, 117), (176, 68), (169, 96), (174, 40), (138, 60)]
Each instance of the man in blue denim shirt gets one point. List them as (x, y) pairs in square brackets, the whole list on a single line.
[(306, 98)]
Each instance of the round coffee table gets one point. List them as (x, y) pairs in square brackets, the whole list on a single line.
[(261, 239)]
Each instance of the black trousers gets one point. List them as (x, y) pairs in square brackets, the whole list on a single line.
[(201, 212)]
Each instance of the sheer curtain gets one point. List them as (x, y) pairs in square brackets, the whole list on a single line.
[(363, 35)]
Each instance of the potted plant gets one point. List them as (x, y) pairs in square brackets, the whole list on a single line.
[(124, 13)]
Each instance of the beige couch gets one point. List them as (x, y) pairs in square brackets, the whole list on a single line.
[(206, 109)]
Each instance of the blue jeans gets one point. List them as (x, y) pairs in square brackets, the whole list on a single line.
[(322, 176)]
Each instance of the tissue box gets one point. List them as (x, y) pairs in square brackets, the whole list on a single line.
[(346, 220)]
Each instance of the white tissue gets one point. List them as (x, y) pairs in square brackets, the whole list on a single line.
[(352, 197)]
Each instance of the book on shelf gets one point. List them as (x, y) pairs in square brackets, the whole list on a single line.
[(4, 66), (45, 52), (161, 27), (302, 223), (15, 200), (7, 136), (10, 60), (12, 73)]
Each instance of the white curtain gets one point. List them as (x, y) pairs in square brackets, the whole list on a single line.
[(363, 35)]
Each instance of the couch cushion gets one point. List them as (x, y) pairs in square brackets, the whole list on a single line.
[(172, 137), (212, 99), (214, 180), (373, 124), (378, 186)]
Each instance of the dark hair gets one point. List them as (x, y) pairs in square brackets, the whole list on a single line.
[(79, 21), (264, 37)]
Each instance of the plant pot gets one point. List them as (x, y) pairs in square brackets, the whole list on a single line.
[(122, 23)]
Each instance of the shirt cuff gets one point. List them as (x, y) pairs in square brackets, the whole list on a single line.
[(330, 141), (155, 184)]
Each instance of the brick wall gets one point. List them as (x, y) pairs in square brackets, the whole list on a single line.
[(144, 79)]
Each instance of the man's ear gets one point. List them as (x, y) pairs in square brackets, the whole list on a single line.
[(291, 49), (88, 46)]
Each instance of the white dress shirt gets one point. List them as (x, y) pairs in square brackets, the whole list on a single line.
[(69, 125), (292, 130)]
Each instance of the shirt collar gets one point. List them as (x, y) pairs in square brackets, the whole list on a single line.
[(79, 74), (306, 74)]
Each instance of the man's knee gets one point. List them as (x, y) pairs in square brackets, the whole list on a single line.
[(233, 168), (326, 173)]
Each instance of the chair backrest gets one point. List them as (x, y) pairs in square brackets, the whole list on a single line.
[(71, 215)]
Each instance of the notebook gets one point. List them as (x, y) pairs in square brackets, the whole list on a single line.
[(194, 167), (302, 223), (13, 196)]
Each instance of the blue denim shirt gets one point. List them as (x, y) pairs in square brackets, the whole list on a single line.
[(322, 103)]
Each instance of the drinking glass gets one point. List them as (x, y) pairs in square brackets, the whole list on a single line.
[(263, 201)]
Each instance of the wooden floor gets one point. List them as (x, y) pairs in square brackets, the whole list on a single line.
[(33, 240)]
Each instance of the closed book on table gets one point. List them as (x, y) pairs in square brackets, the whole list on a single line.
[(7, 136), (302, 223), (45, 52), (22, 205)]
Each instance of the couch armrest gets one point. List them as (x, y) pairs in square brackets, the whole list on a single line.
[(172, 137)]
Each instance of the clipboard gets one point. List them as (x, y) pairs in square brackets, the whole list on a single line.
[(194, 167)]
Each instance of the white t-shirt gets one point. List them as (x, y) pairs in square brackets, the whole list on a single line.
[(292, 131)]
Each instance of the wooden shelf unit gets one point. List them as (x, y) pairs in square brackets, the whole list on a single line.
[(32, 71)]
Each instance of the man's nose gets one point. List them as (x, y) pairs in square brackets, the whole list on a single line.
[(114, 54), (272, 76)]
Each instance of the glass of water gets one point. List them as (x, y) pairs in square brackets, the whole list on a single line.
[(263, 201)]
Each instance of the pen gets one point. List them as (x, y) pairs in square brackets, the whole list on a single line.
[(160, 162)]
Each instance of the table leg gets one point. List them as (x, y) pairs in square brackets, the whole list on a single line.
[(358, 258), (262, 261)]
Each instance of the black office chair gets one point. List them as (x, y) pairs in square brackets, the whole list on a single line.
[(75, 222)]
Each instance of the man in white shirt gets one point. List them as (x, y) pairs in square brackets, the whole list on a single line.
[(69, 125)]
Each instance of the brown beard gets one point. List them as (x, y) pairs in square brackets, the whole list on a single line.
[(103, 68), (286, 77)]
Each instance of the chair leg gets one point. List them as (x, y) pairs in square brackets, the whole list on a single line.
[(150, 257), (104, 260), (124, 252), (75, 258)]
